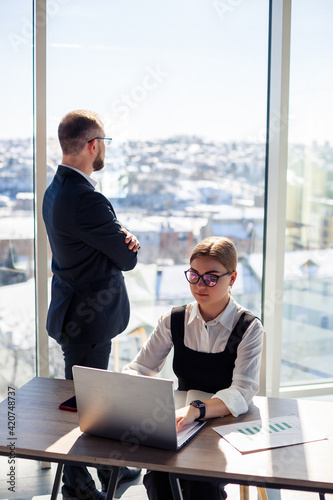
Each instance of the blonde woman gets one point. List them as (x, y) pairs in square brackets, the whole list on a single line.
[(217, 349)]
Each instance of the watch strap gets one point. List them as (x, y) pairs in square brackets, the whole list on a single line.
[(201, 406)]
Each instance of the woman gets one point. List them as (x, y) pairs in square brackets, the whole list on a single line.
[(217, 349)]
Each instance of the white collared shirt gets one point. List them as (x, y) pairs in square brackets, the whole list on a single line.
[(211, 337), (92, 181)]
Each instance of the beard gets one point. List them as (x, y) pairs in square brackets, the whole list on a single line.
[(98, 163)]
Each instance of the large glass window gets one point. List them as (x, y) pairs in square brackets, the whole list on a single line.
[(17, 296), (307, 344), (182, 88)]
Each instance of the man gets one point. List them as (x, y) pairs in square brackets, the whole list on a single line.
[(90, 249)]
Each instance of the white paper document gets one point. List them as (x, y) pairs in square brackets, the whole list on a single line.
[(257, 435)]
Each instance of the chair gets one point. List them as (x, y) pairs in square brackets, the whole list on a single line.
[(244, 493), (139, 334)]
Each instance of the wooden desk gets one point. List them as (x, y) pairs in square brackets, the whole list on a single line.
[(43, 432)]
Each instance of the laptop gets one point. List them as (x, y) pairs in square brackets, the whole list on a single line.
[(130, 408)]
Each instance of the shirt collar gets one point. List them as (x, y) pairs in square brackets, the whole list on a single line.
[(226, 317), (89, 179)]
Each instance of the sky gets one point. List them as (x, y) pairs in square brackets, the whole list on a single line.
[(155, 69)]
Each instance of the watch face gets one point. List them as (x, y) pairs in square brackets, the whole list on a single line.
[(198, 404)]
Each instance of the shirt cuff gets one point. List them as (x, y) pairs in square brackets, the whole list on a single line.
[(127, 369), (137, 369), (233, 400)]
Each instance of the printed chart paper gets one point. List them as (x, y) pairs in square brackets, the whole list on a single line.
[(258, 435)]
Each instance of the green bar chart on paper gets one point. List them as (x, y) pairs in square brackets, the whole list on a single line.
[(267, 428), (263, 434)]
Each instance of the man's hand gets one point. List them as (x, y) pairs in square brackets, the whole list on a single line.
[(131, 240)]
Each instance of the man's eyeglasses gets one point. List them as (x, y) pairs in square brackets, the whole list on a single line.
[(107, 140), (208, 279)]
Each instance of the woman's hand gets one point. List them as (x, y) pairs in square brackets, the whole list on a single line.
[(214, 408), (186, 415)]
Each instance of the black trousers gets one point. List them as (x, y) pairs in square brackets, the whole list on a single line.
[(158, 488), (77, 480)]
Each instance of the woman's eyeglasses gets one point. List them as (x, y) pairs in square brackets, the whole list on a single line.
[(208, 279)]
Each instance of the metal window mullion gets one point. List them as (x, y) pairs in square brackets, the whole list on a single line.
[(276, 186), (40, 140)]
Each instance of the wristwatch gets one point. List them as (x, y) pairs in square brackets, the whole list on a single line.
[(202, 407)]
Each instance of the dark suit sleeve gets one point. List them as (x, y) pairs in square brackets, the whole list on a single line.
[(97, 225)]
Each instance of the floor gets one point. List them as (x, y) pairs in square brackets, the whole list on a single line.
[(34, 483)]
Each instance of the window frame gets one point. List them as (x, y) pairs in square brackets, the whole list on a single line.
[(40, 170)]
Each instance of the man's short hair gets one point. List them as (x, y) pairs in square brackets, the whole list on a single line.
[(76, 129)]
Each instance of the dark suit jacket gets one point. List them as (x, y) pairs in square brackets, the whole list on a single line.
[(89, 302)]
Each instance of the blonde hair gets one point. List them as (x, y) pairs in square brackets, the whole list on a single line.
[(219, 248), (76, 129)]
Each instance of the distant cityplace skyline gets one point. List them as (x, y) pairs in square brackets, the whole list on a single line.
[(155, 70)]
